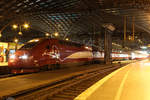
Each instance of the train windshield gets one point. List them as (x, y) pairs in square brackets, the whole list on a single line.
[(30, 44)]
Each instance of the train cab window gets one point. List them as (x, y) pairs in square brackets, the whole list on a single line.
[(29, 45)]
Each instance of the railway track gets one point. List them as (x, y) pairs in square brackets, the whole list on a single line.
[(66, 89), (6, 75)]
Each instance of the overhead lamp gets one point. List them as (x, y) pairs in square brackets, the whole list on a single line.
[(56, 34), (15, 26), (16, 40), (67, 39), (26, 26), (47, 34), (20, 33)]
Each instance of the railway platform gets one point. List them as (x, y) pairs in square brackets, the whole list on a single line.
[(17, 84), (131, 82), (3, 63), (4, 68)]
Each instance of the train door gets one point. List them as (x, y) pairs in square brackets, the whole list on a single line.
[(56, 54), (44, 59)]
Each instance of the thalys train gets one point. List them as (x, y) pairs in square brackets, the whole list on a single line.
[(46, 53)]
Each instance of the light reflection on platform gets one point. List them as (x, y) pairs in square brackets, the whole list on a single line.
[(129, 83)]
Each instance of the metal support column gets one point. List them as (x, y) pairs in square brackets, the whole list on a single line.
[(125, 28), (107, 47), (133, 28)]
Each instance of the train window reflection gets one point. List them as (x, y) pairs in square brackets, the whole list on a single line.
[(69, 43)]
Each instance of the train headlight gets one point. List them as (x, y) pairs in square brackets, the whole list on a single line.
[(86, 47), (12, 56), (24, 56)]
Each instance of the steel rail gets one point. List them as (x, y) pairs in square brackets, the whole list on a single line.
[(66, 89)]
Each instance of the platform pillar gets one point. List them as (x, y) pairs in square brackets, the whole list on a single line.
[(107, 47)]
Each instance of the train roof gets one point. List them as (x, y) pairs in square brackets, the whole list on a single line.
[(60, 41)]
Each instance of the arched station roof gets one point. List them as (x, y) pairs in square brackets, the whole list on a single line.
[(76, 19)]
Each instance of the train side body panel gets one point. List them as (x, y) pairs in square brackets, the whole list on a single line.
[(50, 52), (37, 54)]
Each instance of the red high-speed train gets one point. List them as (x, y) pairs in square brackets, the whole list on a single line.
[(47, 53)]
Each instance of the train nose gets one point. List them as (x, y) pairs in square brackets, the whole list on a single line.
[(19, 58), (15, 57)]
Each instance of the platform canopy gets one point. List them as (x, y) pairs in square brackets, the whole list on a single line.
[(78, 20)]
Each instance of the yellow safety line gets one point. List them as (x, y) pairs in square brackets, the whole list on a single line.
[(118, 95), (92, 89)]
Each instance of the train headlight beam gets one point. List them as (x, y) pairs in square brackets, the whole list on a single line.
[(24, 56)]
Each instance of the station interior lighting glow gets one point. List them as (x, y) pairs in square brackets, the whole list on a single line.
[(16, 40), (20, 33), (133, 55), (86, 47), (26, 26), (47, 34), (12, 56), (143, 47), (143, 52), (139, 54), (34, 40), (67, 39), (15, 26), (56, 34)]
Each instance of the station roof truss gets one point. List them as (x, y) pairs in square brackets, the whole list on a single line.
[(76, 19)]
